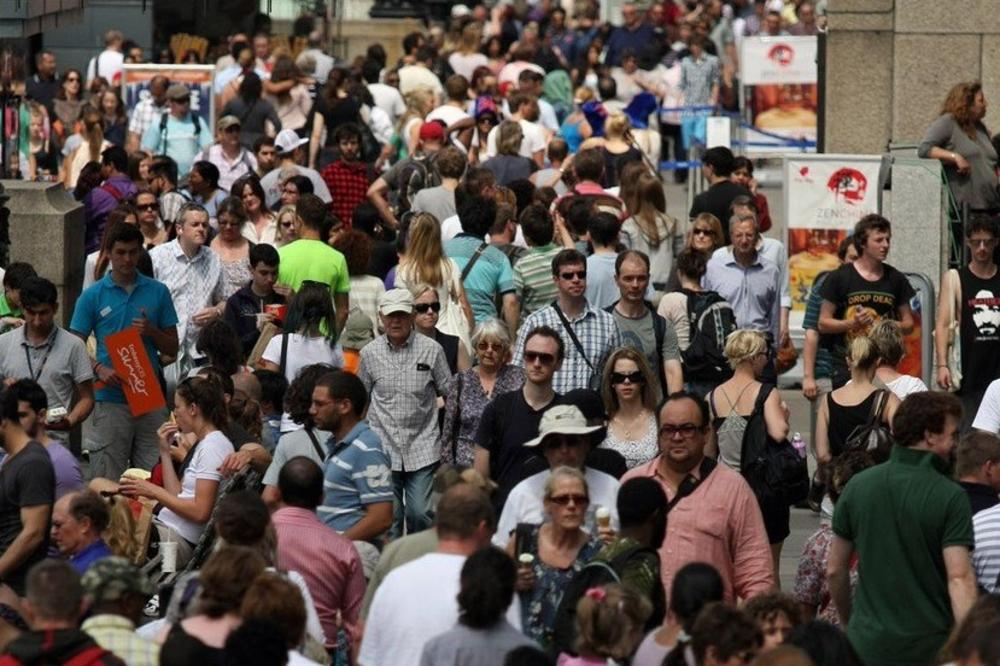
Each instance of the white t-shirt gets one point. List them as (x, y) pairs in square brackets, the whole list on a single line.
[(524, 504), (302, 351), (109, 64), (988, 416), (531, 143), (904, 385), (415, 603), (447, 114), (388, 99), (208, 457)]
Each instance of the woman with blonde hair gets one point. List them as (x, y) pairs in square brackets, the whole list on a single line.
[(575, 129), (467, 57), (888, 337), (285, 232), (630, 392), (733, 403), (425, 261), (419, 102), (90, 148), (618, 148), (610, 620), (426, 307), (508, 165), (648, 228)]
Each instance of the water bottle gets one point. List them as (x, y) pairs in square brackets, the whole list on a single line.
[(799, 444)]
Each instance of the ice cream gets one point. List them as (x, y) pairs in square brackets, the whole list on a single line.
[(603, 515), (526, 559)]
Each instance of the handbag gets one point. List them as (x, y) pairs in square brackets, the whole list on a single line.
[(453, 320), (873, 436), (954, 330), (774, 470)]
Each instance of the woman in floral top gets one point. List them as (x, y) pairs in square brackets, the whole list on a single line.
[(630, 392), (811, 589), (558, 550), (472, 390)]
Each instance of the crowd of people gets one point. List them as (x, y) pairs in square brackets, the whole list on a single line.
[(446, 384)]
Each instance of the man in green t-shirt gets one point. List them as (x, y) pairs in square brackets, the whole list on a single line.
[(911, 527), (309, 258), (11, 315)]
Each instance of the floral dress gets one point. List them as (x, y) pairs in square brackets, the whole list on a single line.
[(539, 605), (235, 275), (810, 580), (466, 400), (635, 452)]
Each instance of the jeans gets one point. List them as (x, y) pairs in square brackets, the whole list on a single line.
[(412, 490)]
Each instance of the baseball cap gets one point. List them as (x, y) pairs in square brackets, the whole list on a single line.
[(396, 300), (431, 131), (111, 578), (226, 122), (178, 91), (562, 420), (287, 141), (358, 331)]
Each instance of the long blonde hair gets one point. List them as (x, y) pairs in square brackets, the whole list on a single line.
[(424, 259), (418, 102), (647, 204), (120, 534)]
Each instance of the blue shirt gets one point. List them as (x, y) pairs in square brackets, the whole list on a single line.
[(491, 275), (89, 555), (357, 473), (104, 308), (182, 141), (754, 291)]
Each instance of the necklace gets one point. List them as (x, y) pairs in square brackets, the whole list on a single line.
[(627, 426)]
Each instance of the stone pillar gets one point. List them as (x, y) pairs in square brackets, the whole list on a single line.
[(46, 231), (396, 9)]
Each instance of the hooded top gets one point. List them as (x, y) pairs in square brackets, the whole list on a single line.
[(68, 647)]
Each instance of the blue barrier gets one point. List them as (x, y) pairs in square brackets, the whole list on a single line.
[(679, 164)]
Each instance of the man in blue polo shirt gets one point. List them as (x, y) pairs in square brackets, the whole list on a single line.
[(358, 480), (117, 440)]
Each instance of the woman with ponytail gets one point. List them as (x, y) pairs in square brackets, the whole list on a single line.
[(90, 143), (483, 636), (609, 623)]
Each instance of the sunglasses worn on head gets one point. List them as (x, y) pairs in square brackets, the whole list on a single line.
[(541, 357), (422, 308), (564, 500), (632, 377), (569, 275)]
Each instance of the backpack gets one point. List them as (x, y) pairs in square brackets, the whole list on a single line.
[(711, 320), (164, 117), (874, 435), (775, 471), (419, 173), (595, 573)]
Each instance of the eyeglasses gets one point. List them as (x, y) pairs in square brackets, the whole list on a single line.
[(579, 275), (149, 206), (698, 231), (539, 357), (486, 345), (631, 377), (566, 500), (422, 308), (982, 242), (685, 430)]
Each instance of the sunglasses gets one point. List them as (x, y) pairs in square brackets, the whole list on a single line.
[(686, 430), (233, 128), (186, 100), (288, 225), (698, 231), (422, 308), (566, 500), (580, 275), (631, 377), (540, 357), (486, 345), (150, 206)]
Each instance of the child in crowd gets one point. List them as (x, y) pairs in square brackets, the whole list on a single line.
[(776, 613), (610, 621)]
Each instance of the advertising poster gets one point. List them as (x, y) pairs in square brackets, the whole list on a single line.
[(825, 195), (198, 78), (779, 76), (140, 383)]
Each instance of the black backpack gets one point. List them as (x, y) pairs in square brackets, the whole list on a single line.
[(595, 573), (418, 174), (711, 320), (775, 471)]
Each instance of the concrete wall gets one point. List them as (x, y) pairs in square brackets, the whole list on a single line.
[(75, 45), (890, 64)]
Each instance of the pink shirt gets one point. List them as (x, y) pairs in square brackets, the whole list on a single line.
[(719, 523), (328, 562)]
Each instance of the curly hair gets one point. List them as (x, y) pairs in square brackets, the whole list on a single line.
[(298, 397), (356, 246), (959, 102)]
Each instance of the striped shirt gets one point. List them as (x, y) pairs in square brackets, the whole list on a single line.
[(356, 474), (533, 278), (404, 383), (598, 334), (986, 556)]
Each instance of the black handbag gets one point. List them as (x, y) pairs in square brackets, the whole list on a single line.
[(775, 471)]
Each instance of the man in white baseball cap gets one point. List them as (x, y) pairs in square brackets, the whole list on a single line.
[(564, 439), (291, 154)]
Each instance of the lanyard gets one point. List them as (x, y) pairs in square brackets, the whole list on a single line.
[(27, 356)]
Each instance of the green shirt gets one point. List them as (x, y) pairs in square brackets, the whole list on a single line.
[(900, 515), (7, 311), (533, 281), (315, 261)]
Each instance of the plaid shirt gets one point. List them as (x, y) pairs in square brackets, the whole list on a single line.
[(403, 383), (117, 634), (598, 334), (348, 184), (145, 114)]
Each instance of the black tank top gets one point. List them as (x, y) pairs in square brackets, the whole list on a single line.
[(980, 331), (182, 649), (844, 419)]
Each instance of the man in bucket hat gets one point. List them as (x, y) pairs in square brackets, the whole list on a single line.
[(180, 134), (117, 592), (564, 438)]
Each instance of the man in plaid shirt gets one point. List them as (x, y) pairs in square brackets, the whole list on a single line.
[(348, 178), (148, 111)]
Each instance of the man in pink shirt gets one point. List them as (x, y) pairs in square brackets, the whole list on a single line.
[(716, 518), (327, 561)]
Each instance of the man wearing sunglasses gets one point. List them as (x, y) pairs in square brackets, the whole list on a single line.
[(713, 515), (228, 154), (589, 334), (180, 134), (564, 439)]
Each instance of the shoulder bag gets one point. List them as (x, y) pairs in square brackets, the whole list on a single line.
[(594, 382), (873, 436)]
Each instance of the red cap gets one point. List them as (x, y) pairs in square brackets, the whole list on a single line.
[(431, 131)]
